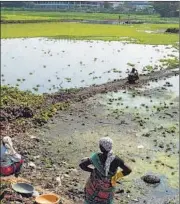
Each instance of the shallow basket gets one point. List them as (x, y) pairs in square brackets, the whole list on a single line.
[(48, 199)]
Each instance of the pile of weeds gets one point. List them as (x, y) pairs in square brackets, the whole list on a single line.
[(24, 107)]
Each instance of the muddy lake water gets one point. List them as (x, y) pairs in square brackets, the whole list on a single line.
[(46, 65)]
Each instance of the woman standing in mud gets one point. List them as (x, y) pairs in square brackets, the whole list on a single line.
[(100, 186)]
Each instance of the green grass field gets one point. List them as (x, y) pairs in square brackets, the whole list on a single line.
[(93, 31), (34, 15)]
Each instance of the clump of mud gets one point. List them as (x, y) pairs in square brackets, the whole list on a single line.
[(151, 179)]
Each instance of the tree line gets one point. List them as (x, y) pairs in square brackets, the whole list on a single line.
[(167, 8), (164, 8)]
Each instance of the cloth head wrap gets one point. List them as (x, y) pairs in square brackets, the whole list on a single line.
[(9, 149), (107, 143)]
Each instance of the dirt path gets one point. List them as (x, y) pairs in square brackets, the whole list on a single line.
[(120, 84), (72, 20)]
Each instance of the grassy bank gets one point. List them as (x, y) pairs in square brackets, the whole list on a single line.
[(35, 15), (93, 32)]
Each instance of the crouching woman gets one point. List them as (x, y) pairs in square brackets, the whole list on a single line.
[(11, 161)]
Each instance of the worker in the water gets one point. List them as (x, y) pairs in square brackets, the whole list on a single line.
[(133, 76)]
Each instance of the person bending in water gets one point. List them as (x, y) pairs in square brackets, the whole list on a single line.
[(101, 184), (133, 76)]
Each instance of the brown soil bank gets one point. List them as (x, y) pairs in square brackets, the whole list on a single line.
[(116, 85), (70, 20), (13, 115), (37, 21)]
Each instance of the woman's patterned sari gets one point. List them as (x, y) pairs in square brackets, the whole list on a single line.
[(98, 189)]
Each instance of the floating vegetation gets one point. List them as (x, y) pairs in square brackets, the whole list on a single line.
[(170, 63), (18, 79), (171, 55), (35, 89), (116, 71), (37, 85), (68, 79), (92, 73), (30, 73), (95, 59), (172, 129), (130, 64), (49, 80), (156, 66), (148, 68), (44, 66), (23, 79)]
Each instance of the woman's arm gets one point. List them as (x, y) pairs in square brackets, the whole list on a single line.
[(84, 165), (125, 169)]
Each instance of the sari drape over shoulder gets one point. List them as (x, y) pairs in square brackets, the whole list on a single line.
[(98, 189)]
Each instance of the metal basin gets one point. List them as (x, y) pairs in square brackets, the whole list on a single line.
[(23, 188)]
